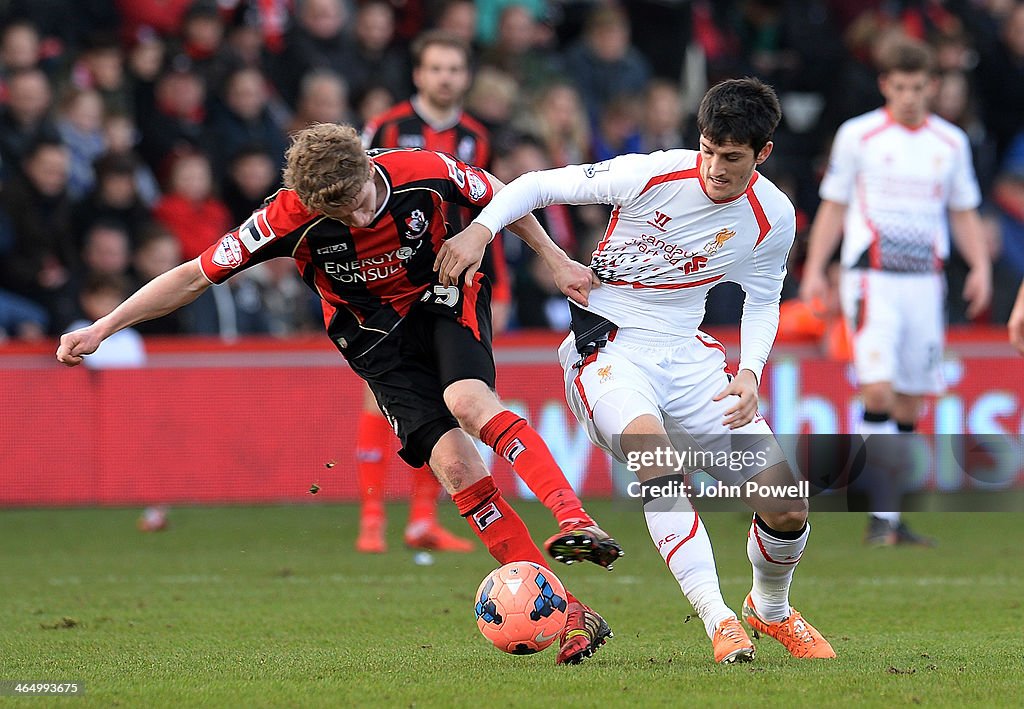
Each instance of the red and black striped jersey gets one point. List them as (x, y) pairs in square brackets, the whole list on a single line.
[(468, 140), (402, 127), (367, 278)]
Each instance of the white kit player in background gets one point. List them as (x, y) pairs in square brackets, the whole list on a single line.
[(898, 178), (639, 374)]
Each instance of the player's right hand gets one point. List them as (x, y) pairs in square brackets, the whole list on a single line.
[(978, 290), (813, 285), (575, 281), (460, 254), (744, 387), (75, 344)]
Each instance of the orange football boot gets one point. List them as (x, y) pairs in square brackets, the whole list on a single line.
[(371, 536), (731, 643), (433, 537), (796, 634)]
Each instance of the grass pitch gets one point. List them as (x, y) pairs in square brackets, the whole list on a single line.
[(269, 607)]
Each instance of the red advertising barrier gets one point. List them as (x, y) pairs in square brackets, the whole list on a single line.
[(263, 420)]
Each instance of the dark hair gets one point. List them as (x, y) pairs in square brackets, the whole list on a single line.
[(906, 55), (201, 8), (27, 71), (96, 283), (19, 23), (110, 164), (44, 142), (152, 232), (441, 38), (248, 150), (101, 41), (605, 15), (106, 224), (742, 111), (507, 141)]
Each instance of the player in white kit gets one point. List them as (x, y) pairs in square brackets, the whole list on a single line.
[(640, 375), (898, 178)]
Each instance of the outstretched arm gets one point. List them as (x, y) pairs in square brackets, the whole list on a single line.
[(463, 253), (573, 279), (164, 294)]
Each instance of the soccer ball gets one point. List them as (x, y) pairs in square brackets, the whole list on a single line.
[(520, 607)]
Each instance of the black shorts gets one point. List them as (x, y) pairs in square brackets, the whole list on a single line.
[(442, 340)]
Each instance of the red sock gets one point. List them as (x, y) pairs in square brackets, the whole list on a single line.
[(373, 444), (501, 530), (423, 498), (514, 439)]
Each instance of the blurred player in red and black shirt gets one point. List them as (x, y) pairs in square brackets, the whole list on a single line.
[(432, 119), (365, 230)]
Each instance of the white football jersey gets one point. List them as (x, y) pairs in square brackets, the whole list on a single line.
[(667, 243), (898, 183)]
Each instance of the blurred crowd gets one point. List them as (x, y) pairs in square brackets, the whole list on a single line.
[(134, 133)]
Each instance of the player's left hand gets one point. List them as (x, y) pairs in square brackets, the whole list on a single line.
[(978, 290), (462, 254), (743, 386), (575, 280)]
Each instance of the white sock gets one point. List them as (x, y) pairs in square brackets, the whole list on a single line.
[(892, 517), (685, 546), (774, 561)]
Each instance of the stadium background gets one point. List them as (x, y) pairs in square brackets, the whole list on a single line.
[(261, 421), (241, 402)]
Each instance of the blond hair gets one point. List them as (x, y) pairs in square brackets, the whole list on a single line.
[(326, 166)]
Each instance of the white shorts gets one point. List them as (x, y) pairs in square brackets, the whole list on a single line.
[(677, 382), (897, 321)]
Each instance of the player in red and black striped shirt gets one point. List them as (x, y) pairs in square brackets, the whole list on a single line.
[(364, 231), (433, 119)]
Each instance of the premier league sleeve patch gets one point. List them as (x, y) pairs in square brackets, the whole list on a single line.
[(477, 186)]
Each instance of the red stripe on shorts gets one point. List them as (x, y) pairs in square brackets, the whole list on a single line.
[(468, 317), (589, 359)]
